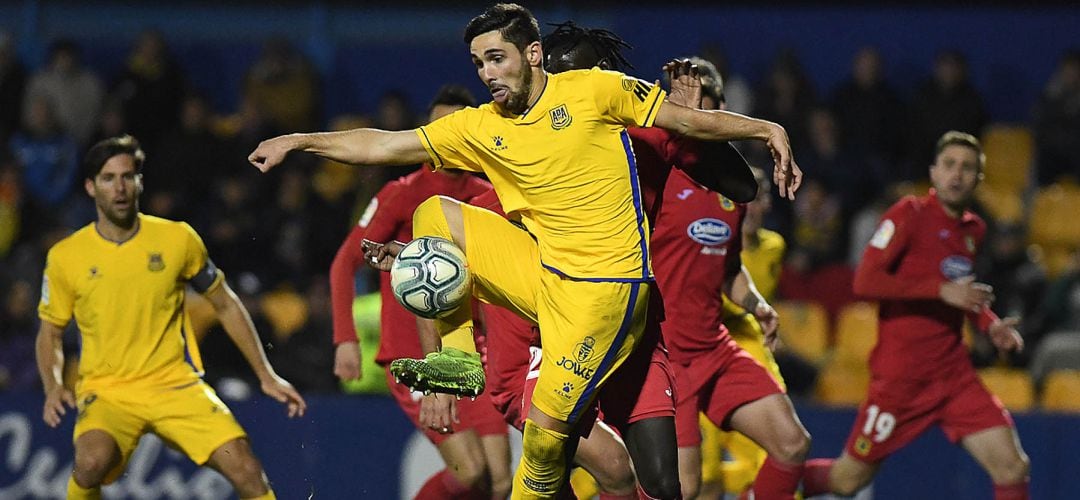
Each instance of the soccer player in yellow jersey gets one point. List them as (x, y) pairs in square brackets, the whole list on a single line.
[(556, 151), (122, 278)]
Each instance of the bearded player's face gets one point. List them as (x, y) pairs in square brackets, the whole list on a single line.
[(116, 190), (505, 70), (955, 174)]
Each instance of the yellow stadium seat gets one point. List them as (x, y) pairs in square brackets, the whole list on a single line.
[(843, 384), (804, 327), (1061, 391), (856, 332), (1051, 216), (285, 310), (1013, 387), (1004, 203), (1009, 152)]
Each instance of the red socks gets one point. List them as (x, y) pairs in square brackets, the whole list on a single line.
[(1018, 491), (777, 480), (442, 485), (816, 477)]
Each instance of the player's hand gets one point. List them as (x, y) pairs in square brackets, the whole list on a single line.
[(281, 390), (1004, 336), (786, 173), (769, 321), (54, 405), (271, 152), (347, 361), (381, 255), (966, 294), (439, 412), (685, 83)]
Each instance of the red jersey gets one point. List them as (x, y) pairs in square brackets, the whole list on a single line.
[(917, 248), (389, 217), (696, 243)]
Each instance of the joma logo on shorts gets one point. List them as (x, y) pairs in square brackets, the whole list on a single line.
[(570, 365)]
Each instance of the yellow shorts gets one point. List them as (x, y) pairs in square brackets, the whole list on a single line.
[(587, 328), (191, 419)]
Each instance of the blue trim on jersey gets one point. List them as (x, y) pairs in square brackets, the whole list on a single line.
[(438, 159), (538, 98), (636, 190), (650, 279), (187, 352), (609, 357)]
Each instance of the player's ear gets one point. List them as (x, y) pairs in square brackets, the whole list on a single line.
[(138, 185), (88, 183), (534, 54)]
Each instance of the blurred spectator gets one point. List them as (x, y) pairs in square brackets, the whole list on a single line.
[(1057, 122), (18, 328), (12, 87), (393, 112), (187, 156), (150, 89), (285, 229), (307, 356), (74, 93), (817, 228), (283, 84), (11, 203), (787, 98), (947, 102), (111, 121), (1018, 281), (869, 112), (229, 222), (1052, 334), (738, 96), (853, 182), (47, 154)]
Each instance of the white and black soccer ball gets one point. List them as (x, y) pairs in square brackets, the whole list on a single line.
[(430, 277)]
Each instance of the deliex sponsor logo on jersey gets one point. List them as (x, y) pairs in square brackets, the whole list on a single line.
[(709, 231), (955, 267), (560, 117)]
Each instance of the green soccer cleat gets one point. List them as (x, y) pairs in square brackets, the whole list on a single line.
[(449, 371)]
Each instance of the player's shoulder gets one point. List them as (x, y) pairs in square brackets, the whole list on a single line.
[(74, 243), (162, 227), (907, 206)]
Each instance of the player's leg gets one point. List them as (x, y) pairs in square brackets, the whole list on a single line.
[(465, 474), (106, 433), (588, 330), (998, 451), (497, 456), (978, 421), (771, 422), (480, 418), (238, 464), (604, 456), (649, 442)]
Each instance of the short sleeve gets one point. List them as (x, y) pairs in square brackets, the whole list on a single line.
[(57, 296), (446, 141), (198, 269), (624, 99)]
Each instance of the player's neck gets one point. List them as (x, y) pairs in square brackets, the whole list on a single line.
[(114, 232), (537, 89)]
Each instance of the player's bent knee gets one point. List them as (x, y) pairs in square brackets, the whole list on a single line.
[(90, 468), (794, 446), (1011, 470), (543, 464), (439, 216), (468, 472)]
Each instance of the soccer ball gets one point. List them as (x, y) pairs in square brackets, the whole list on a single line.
[(430, 277)]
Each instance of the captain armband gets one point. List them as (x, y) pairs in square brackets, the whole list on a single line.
[(205, 278)]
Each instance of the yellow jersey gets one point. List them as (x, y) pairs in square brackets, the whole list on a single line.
[(564, 168), (764, 263), (128, 302)]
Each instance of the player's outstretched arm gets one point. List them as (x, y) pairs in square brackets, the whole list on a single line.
[(710, 125), (237, 322), (362, 146), (50, 360)]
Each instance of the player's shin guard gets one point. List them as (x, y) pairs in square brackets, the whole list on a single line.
[(76, 492), (542, 470)]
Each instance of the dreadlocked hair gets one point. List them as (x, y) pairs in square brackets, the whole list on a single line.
[(607, 44)]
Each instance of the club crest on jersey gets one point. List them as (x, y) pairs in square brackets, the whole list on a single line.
[(709, 231), (862, 445), (955, 267), (560, 117), (156, 264), (725, 203)]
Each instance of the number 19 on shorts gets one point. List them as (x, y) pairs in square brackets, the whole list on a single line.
[(879, 425)]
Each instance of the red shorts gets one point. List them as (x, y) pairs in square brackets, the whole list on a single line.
[(478, 415), (897, 411), (717, 382), (650, 377)]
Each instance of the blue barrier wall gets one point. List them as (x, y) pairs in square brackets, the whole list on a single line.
[(364, 51), (353, 447)]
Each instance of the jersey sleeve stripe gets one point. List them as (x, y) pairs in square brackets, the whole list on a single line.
[(436, 160), (651, 115), (638, 212), (610, 355)]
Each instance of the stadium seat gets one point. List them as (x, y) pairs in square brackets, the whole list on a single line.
[(285, 310), (1004, 203), (1051, 224), (843, 384), (1062, 391), (856, 332), (1009, 152), (1013, 387), (804, 327)]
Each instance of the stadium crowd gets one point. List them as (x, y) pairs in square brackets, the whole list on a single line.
[(863, 144)]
